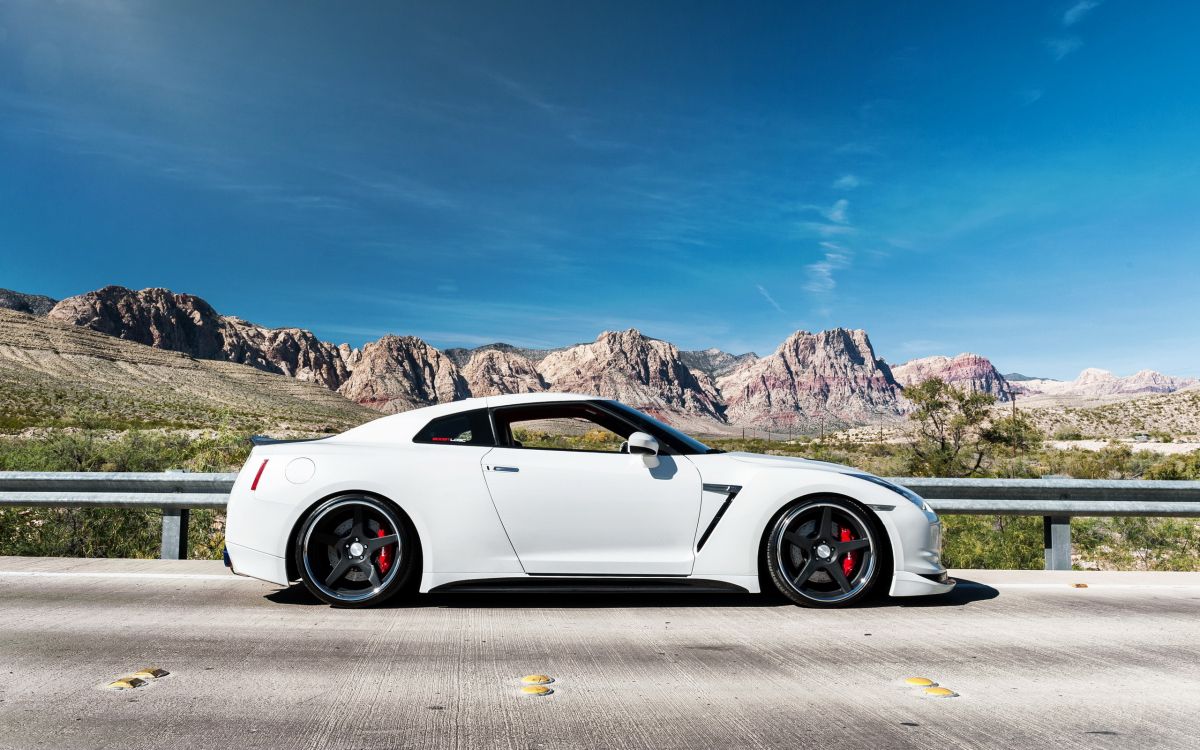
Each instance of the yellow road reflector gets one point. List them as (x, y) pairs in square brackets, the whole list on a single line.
[(940, 692), (536, 690), (920, 682), (537, 679), (127, 683), (1079, 585), (151, 673)]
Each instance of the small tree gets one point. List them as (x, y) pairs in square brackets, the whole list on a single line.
[(957, 433)]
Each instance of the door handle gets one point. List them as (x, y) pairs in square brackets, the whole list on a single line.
[(503, 468)]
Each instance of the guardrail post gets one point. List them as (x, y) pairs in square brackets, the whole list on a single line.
[(174, 534), (1056, 538)]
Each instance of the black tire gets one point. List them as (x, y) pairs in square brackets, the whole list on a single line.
[(824, 552), (355, 551)]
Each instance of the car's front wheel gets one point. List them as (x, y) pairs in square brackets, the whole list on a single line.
[(354, 551), (823, 552)]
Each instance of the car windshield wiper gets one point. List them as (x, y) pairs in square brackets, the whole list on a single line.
[(716, 450)]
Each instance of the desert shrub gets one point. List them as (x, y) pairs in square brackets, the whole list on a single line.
[(1068, 433), (1132, 543), (956, 433), (1007, 542), (1184, 466)]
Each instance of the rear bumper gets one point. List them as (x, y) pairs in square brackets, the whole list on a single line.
[(250, 562)]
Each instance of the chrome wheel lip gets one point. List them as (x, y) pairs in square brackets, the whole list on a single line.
[(781, 527), (316, 580)]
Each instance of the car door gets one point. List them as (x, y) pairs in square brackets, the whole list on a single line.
[(575, 504)]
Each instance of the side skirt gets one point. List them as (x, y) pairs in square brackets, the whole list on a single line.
[(534, 584)]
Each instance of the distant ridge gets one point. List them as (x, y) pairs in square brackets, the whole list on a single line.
[(826, 378), (33, 304)]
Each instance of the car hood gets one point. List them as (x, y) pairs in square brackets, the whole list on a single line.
[(791, 462)]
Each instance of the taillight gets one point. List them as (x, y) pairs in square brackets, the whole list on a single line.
[(258, 476)]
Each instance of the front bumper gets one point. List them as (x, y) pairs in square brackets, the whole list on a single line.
[(920, 571), (913, 584)]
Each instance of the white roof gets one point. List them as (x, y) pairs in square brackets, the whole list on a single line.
[(404, 425)]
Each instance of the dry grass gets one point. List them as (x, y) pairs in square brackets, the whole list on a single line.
[(1173, 414)]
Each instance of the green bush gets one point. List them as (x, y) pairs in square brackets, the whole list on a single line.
[(1184, 466), (1006, 542)]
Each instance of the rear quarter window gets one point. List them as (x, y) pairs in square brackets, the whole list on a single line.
[(467, 428)]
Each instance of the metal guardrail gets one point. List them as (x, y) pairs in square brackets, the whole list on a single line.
[(175, 492), (1056, 500)]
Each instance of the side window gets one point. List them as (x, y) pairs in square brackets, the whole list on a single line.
[(467, 428), (564, 427)]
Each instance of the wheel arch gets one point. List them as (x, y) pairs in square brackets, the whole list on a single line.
[(418, 553)]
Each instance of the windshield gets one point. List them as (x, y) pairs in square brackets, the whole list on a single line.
[(680, 442)]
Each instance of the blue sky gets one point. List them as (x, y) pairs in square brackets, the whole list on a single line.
[(1014, 179)]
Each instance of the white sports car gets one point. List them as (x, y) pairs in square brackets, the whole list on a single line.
[(560, 490)]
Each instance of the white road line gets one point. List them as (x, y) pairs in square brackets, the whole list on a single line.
[(174, 576)]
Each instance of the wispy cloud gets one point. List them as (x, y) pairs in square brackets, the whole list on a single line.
[(821, 279), (767, 296), (1060, 47), (1076, 12), (523, 92), (846, 182), (822, 229), (1029, 96), (837, 212)]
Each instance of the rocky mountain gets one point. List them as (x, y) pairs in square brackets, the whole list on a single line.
[(33, 304), (1094, 383), (645, 373), (53, 373), (828, 377), (714, 362), (492, 372), (831, 377), (461, 356), (969, 371), (397, 373), (185, 323)]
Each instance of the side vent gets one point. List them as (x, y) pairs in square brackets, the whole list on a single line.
[(730, 491)]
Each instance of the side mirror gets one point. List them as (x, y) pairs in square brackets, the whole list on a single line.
[(646, 446)]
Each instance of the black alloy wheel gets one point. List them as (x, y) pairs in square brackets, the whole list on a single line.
[(354, 551), (823, 552)]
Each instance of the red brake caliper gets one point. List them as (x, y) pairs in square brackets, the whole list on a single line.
[(851, 558), (385, 554)]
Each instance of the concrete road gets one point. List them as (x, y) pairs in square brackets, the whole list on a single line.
[(1036, 663)]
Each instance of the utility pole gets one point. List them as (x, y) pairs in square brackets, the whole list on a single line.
[(1013, 398)]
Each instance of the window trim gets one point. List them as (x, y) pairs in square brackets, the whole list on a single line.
[(490, 442), (665, 448)]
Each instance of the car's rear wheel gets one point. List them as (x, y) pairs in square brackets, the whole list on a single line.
[(823, 552), (354, 551)]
